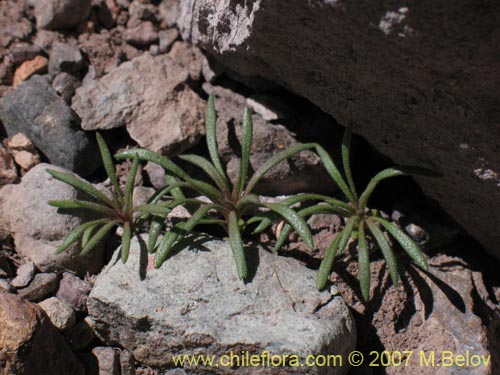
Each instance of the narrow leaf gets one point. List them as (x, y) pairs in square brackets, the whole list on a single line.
[(386, 173), (81, 185), (294, 220), (327, 263), (211, 134), (406, 243), (174, 234), (333, 171), (246, 143), (389, 256), (110, 168), (346, 158), (154, 157), (275, 160), (237, 245), (101, 233), (153, 209), (76, 233), (76, 204), (129, 186), (87, 235), (363, 263), (157, 224), (126, 237), (209, 169)]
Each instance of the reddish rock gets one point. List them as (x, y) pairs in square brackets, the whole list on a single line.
[(29, 343), (28, 68)]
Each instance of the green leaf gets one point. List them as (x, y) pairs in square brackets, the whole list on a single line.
[(126, 237), (346, 158), (81, 185), (363, 263), (327, 263), (304, 213), (175, 234), (129, 186), (153, 209), (211, 134), (87, 234), (406, 243), (333, 171), (389, 256), (386, 173), (147, 155), (101, 233), (303, 197), (346, 233), (76, 233), (110, 168), (246, 143), (157, 224), (237, 245), (273, 161), (209, 169), (76, 204), (294, 220)]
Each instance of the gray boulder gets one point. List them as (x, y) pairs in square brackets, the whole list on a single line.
[(195, 304), (65, 58), (38, 228), (149, 96), (36, 110), (419, 80), (61, 14)]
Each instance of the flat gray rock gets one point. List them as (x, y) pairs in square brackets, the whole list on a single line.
[(195, 304)]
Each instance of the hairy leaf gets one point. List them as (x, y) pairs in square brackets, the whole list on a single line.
[(274, 161), (211, 134), (406, 243), (76, 233), (237, 245), (209, 169), (81, 185), (294, 220), (110, 169), (129, 186), (101, 233), (346, 159), (363, 263), (76, 204), (389, 256), (327, 263), (246, 143), (126, 238)]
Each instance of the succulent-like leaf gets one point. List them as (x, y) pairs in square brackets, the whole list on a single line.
[(406, 243), (129, 186), (81, 185), (156, 226), (389, 256), (101, 233), (304, 197), (209, 169), (147, 155), (76, 233), (294, 220), (305, 213), (363, 263), (76, 204), (334, 172), (126, 238), (346, 159), (87, 235), (327, 263), (274, 161), (211, 134), (110, 169), (153, 209), (237, 245), (246, 143), (175, 234), (386, 173)]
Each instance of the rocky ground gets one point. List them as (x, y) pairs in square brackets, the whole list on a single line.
[(69, 68)]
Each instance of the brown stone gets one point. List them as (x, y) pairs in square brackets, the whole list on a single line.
[(29, 343), (28, 68)]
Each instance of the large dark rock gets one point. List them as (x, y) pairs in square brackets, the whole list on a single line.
[(36, 110), (419, 79)]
